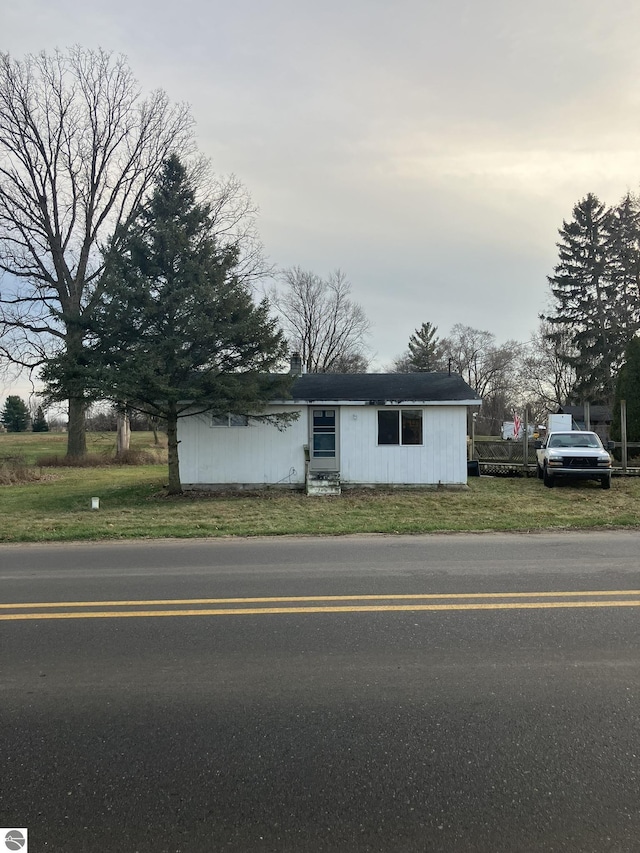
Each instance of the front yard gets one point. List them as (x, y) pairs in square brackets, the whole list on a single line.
[(133, 504)]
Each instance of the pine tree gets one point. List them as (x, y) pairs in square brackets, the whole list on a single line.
[(583, 299), (628, 389), (623, 272), (425, 350), (39, 423), (176, 331), (15, 415)]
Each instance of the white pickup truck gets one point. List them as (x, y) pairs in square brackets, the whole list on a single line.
[(573, 454)]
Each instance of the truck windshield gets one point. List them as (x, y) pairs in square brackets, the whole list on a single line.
[(586, 440)]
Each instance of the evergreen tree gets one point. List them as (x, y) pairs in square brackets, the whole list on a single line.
[(425, 353), (425, 350), (39, 423), (15, 415), (623, 272), (176, 332), (583, 300), (628, 389)]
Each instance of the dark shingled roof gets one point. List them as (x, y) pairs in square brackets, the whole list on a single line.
[(382, 387)]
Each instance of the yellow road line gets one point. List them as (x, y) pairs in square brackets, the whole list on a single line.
[(372, 608), (300, 598)]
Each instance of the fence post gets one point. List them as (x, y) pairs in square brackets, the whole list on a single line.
[(474, 415), (525, 443), (623, 433)]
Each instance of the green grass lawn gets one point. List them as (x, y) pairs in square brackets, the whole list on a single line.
[(32, 445), (133, 504)]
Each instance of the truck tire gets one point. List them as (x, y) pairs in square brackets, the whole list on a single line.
[(547, 478), (605, 482)]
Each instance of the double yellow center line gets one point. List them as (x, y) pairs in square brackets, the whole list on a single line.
[(307, 604)]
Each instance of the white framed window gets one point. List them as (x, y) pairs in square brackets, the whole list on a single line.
[(229, 420), (400, 427)]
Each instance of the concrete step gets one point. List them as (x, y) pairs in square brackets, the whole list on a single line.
[(323, 483)]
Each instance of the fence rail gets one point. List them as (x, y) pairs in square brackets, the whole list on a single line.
[(503, 451), (504, 457)]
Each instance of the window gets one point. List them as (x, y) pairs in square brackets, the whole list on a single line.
[(400, 426), (229, 420)]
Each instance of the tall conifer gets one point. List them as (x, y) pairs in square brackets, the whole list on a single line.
[(582, 299), (628, 389), (425, 350), (176, 331), (623, 273)]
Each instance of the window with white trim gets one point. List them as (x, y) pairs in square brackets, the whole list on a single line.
[(400, 426), (229, 420)]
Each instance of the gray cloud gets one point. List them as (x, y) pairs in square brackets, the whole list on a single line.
[(431, 150)]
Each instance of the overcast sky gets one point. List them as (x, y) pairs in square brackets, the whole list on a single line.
[(428, 148)]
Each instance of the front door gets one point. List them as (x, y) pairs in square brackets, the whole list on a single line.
[(323, 449)]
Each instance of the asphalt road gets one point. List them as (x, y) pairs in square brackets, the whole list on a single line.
[(445, 693)]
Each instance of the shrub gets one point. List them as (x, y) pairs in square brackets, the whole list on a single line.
[(103, 460), (91, 460), (139, 457), (14, 470)]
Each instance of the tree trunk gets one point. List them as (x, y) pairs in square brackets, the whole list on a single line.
[(123, 432), (76, 435), (175, 486)]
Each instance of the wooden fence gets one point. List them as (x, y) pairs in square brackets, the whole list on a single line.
[(503, 451), (504, 457), (507, 457)]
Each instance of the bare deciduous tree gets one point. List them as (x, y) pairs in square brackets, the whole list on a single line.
[(321, 321), (491, 370), (233, 219), (79, 148), (547, 376), (487, 368)]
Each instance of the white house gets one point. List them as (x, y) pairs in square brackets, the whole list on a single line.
[(370, 429)]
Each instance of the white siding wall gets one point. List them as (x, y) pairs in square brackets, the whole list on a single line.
[(441, 459), (255, 454), (261, 454)]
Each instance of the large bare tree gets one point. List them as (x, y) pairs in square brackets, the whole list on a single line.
[(474, 354), (79, 149), (490, 369), (548, 378), (321, 321)]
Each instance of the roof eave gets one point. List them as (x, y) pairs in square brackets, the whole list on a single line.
[(320, 401)]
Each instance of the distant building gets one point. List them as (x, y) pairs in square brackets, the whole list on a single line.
[(599, 418)]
